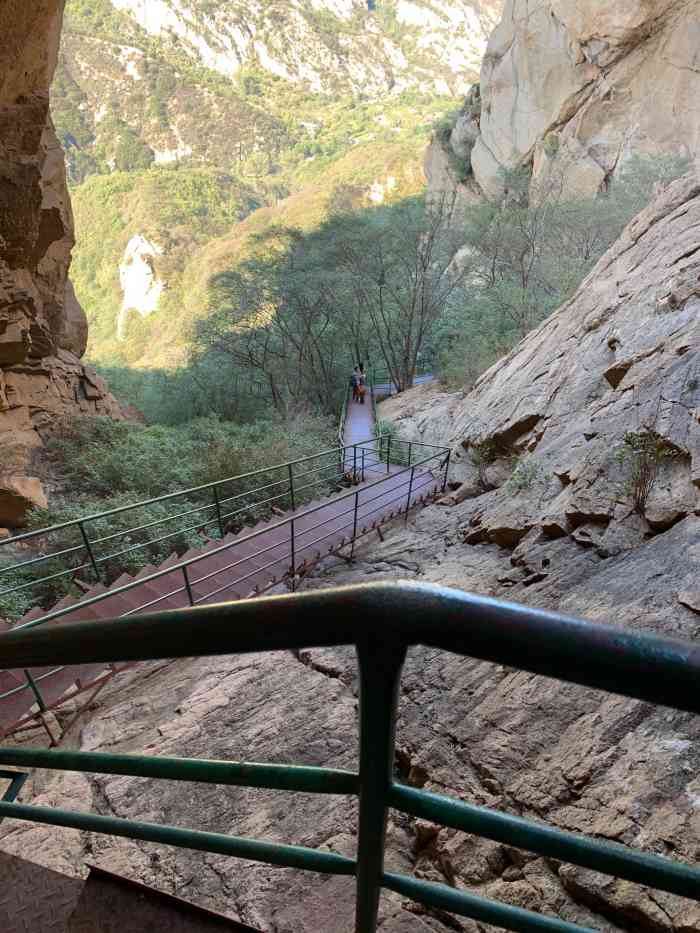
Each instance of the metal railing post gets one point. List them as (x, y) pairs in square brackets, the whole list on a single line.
[(410, 490), (218, 509), (354, 462), (293, 554), (188, 586), (291, 486), (88, 548), (380, 665), (35, 690), (410, 452), (363, 464), (388, 451), (447, 467), (354, 524)]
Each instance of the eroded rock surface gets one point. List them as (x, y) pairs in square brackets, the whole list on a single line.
[(543, 440), (42, 327), (581, 760), (582, 84)]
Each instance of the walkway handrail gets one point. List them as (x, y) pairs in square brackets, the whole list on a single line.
[(297, 481), (382, 620), (75, 522), (183, 565)]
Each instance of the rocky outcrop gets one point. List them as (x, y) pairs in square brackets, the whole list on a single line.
[(42, 327), (448, 158), (580, 84), (141, 288), (552, 439)]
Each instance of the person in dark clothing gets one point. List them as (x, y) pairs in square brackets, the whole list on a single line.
[(361, 387), (354, 382)]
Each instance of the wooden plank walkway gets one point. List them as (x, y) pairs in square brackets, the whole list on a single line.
[(239, 566)]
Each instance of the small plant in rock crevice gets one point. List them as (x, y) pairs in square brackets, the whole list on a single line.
[(640, 457), (524, 474)]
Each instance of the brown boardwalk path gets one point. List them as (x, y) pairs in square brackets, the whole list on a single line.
[(237, 567)]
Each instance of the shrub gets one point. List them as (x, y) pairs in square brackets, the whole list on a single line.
[(524, 475), (551, 144), (640, 457)]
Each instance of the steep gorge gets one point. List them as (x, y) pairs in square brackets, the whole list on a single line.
[(616, 768), (622, 356)]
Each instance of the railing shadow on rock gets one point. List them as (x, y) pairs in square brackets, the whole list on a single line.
[(381, 621)]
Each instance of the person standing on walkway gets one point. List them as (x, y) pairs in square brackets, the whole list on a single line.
[(361, 387), (354, 382)]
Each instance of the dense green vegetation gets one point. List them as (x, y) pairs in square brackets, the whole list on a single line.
[(114, 464), (370, 284), (161, 146)]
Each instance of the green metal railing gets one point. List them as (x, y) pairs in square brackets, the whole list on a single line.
[(382, 621), (385, 384), (298, 549), (89, 546)]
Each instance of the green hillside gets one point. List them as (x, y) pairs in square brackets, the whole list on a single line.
[(162, 147)]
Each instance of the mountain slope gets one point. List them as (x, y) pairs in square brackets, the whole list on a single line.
[(227, 110)]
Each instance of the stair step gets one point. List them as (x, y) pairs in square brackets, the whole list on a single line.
[(30, 616), (146, 571), (121, 580)]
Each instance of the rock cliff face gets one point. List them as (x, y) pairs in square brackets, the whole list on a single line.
[(552, 437), (42, 327), (580, 84), (625, 349)]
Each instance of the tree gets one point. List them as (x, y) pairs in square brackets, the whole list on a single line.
[(401, 273), (275, 316)]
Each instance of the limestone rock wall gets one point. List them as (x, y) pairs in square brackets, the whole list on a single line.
[(43, 330), (583, 82)]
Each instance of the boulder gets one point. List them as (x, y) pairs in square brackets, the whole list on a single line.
[(18, 493)]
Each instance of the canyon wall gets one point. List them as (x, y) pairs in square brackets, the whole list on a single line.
[(551, 439), (577, 85), (43, 330)]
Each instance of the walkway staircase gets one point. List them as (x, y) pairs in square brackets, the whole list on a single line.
[(238, 566)]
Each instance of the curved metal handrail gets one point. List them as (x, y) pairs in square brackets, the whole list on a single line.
[(381, 620)]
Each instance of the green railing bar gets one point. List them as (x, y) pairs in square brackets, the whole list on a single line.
[(607, 857), (381, 620), (380, 663), (441, 897), (272, 853), (16, 779), (607, 657), (235, 773), (164, 498)]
